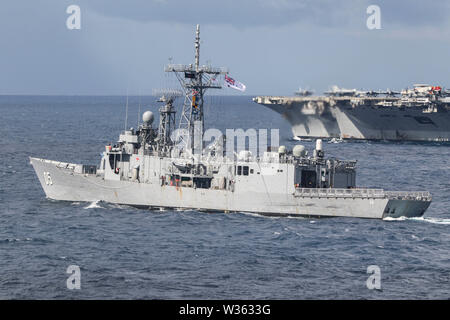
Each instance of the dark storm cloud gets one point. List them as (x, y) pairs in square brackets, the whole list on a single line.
[(250, 13), (244, 13)]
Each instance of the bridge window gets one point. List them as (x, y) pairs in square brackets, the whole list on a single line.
[(243, 170)]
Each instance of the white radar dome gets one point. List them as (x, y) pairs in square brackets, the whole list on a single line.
[(299, 151), (148, 117), (319, 144)]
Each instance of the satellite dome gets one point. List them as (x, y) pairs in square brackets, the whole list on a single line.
[(299, 151), (148, 117)]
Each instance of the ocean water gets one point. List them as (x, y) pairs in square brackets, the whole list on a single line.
[(129, 253)]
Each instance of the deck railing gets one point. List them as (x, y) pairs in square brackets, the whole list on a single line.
[(361, 194), (410, 195)]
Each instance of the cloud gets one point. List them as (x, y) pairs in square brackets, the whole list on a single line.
[(415, 13), (273, 46), (255, 13), (242, 14)]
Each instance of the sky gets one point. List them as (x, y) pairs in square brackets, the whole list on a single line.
[(272, 46)]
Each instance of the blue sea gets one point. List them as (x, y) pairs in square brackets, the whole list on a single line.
[(129, 253)]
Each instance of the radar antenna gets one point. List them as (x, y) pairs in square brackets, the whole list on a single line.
[(194, 80), (166, 116)]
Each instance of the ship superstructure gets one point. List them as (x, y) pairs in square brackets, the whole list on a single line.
[(156, 167), (418, 114)]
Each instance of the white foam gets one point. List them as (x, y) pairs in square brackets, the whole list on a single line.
[(16, 239), (420, 219), (432, 220), (265, 216), (93, 205), (257, 215), (297, 217), (394, 219)]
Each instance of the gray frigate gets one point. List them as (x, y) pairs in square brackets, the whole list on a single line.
[(150, 167)]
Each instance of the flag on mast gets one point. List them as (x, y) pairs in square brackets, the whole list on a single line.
[(231, 83)]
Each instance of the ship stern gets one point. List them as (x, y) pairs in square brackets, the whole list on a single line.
[(406, 204)]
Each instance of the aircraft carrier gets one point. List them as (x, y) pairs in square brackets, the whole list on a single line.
[(418, 114)]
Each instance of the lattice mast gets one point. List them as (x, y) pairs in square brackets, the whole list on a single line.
[(194, 80), (166, 119)]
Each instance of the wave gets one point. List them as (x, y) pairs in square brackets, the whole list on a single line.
[(432, 220), (268, 216), (15, 239), (421, 219), (258, 215), (94, 205), (394, 219)]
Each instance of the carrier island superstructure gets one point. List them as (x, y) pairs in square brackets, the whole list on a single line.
[(150, 167), (418, 114)]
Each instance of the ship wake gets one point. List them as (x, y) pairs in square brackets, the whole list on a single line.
[(421, 219)]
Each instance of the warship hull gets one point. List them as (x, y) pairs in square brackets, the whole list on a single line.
[(61, 183), (324, 118)]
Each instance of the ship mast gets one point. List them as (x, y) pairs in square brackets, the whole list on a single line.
[(197, 48), (194, 80), (166, 117)]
